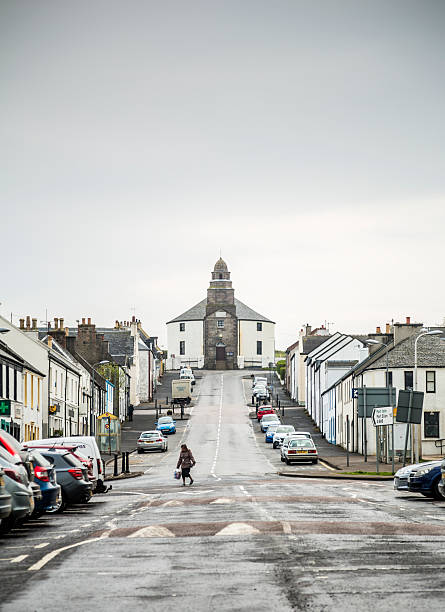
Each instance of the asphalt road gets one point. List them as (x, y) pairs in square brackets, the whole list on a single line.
[(241, 538)]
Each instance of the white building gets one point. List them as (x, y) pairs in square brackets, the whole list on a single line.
[(220, 332)]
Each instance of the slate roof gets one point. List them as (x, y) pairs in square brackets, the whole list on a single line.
[(198, 312), (120, 342), (312, 342), (430, 354)]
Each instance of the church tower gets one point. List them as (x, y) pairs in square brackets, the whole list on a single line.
[(220, 323)]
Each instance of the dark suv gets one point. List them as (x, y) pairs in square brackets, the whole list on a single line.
[(72, 476)]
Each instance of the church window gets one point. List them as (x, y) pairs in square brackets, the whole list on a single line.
[(259, 347), (220, 323), (182, 347), (259, 327), (182, 327)]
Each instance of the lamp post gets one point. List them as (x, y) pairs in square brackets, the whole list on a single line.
[(386, 344), (417, 430), (92, 393)]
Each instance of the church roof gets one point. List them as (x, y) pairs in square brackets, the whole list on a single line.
[(220, 266), (198, 312)]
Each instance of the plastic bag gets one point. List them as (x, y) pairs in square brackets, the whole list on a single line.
[(177, 474)]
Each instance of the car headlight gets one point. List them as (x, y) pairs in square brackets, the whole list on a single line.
[(402, 472), (424, 471)]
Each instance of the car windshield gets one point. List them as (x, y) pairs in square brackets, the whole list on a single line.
[(301, 443), (149, 434), (269, 417), (285, 429), (165, 420), (271, 428)]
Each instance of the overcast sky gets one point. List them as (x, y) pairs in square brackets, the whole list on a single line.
[(305, 139)]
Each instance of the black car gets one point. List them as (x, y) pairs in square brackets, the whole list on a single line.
[(72, 476)]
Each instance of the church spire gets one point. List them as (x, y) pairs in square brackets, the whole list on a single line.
[(220, 290)]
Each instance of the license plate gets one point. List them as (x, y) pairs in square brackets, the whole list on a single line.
[(302, 452)]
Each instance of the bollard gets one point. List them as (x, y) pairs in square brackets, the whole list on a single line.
[(123, 463), (127, 470), (115, 470), (166, 400), (182, 412)]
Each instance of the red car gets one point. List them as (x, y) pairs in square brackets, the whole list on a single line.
[(262, 410)]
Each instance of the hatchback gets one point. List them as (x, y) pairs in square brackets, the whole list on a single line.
[(166, 425), (425, 479), (281, 433), (72, 477), (299, 449), (262, 410), (152, 440), (18, 487), (45, 477)]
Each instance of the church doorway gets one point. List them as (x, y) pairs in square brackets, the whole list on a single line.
[(220, 352)]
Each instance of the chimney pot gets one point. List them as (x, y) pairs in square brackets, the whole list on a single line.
[(28, 322), (61, 323), (133, 319), (50, 341), (34, 324), (83, 320), (408, 320), (56, 323), (388, 328), (22, 323), (378, 330), (89, 320)]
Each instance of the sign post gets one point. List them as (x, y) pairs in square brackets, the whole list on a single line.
[(409, 410), (381, 417)]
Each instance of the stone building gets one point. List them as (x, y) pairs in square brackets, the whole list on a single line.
[(220, 332)]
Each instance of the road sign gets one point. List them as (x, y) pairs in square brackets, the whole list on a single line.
[(376, 397), (354, 393), (5, 407), (382, 416), (404, 413)]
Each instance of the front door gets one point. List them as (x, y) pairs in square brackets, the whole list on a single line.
[(220, 353)]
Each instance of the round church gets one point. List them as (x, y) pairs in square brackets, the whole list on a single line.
[(220, 332)]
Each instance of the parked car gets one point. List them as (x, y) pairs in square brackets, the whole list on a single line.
[(87, 447), (269, 419), (401, 477), (73, 449), (45, 477), (72, 477), (270, 433), (262, 410), (14, 448), (18, 487), (5, 498), (425, 479), (299, 449), (187, 376), (166, 425), (259, 379), (280, 433), (152, 440), (442, 480)]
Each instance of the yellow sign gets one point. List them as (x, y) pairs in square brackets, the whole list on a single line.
[(53, 409), (107, 415)]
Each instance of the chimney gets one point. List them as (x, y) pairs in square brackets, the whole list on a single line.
[(388, 328), (133, 319), (378, 330), (116, 324), (89, 320), (56, 323), (61, 323), (28, 322), (408, 320), (402, 331), (83, 320), (22, 323), (50, 341), (34, 324)]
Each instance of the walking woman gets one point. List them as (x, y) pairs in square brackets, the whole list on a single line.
[(185, 462)]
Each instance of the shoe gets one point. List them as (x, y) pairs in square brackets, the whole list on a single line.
[(191, 482)]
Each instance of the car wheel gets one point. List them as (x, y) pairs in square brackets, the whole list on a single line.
[(282, 458), (274, 445), (59, 508), (6, 525), (436, 492)]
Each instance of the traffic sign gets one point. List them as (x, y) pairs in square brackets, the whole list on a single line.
[(382, 416), (409, 407), (354, 393), (374, 397)]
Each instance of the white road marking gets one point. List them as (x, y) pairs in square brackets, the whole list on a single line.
[(222, 500), (153, 531), (327, 466), (44, 560), (18, 559), (237, 529), (173, 502), (42, 545), (243, 490), (286, 527), (218, 433)]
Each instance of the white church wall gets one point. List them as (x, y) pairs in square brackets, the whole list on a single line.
[(247, 343), (193, 337)]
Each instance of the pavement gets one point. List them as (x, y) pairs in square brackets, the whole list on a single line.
[(241, 538)]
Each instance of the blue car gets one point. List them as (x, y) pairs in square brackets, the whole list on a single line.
[(166, 425), (45, 477), (270, 432), (424, 478)]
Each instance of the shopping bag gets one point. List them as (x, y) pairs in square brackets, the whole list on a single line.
[(177, 474)]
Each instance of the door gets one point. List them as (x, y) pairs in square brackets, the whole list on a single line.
[(220, 353)]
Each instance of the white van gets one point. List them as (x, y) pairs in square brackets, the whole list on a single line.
[(87, 445), (187, 376)]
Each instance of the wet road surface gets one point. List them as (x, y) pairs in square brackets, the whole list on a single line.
[(241, 538)]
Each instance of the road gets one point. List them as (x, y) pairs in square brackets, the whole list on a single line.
[(241, 538)]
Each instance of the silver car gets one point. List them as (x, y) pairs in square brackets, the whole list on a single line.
[(280, 433), (152, 440), (18, 486)]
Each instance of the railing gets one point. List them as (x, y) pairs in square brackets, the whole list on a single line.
[(440, 444)]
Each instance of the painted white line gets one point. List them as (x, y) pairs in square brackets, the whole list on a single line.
[(153, 531), (237, 529), (42, 545), (218, 434), (18, 559), (243, 490), (44, 560), (326, 465), (286, 527)]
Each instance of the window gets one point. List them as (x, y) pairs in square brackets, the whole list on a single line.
[(220, 275), (408, 381), (431, 424), (15, 385), (182, 327), (259, 327), (7, 382), (388, 379), (430, 382), (182, 347), (220, 323), (1, 380), (259, 347)]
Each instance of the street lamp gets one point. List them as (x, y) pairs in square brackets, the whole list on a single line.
[(432, 332), (92, 392)]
